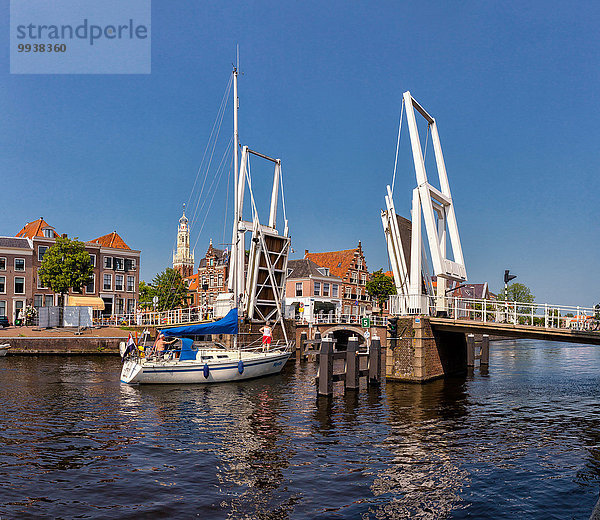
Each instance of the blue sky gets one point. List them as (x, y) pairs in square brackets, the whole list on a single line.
[(513, 87)]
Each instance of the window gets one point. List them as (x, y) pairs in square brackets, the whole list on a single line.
[(323, 270), (354, 277), (129, 264), (48, 232), (119, 264), (317, 288), (363, 279), (107, 282), (38, 300), (119, 305), (130, 283), (2, 264), (3, 284), (118, 282), (325, 289), (19, 264), (299, 289), (48, 300), (19, 285), (334, 290), (289, 271), (2, 308), (212, 280), (108, 262), (359, 264), (41, 251), (40, 284), (93, 260), (130, 305), (220, 279), (211, 262), (90, 288), (346, 309), (348, 292)]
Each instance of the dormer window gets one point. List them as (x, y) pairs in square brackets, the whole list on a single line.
[(48, 232), (323, 270), (290, 271)]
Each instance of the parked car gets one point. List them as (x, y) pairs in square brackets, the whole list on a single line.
[(4, 321)]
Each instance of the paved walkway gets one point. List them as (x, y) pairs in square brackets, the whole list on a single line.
[(34, 332)]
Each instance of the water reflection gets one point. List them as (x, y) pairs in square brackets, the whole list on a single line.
[(519, 442)]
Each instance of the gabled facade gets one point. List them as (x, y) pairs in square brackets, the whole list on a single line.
[(115, 277), (311, 291), (349, 265), (211, 278)]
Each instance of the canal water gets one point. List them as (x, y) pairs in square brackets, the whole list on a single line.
[(520, 442)]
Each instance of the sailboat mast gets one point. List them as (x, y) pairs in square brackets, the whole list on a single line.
[(236, 216)]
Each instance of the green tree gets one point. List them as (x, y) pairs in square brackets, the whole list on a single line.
[(517, 292), (380, 286), (170, 289), (520, 293), (66, 265), (147, 292)]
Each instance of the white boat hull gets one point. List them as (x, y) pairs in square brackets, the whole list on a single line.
[(4, 349), (254, 365)]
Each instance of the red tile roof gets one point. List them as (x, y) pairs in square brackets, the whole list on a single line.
[(338, 262), (111, 240), (36, 229), (193, 282)]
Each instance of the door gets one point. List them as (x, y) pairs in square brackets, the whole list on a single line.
[(18, 305)]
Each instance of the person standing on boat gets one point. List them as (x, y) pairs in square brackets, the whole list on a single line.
[(267, 333), (161, 345)]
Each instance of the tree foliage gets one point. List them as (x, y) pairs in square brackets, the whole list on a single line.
[(66, 265), (517, 292), (170, 289), (147, 292), (380, 286)]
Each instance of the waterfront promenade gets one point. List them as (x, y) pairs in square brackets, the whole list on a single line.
[(64, 341)]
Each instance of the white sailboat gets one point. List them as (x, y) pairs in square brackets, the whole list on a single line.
[(255, 294)]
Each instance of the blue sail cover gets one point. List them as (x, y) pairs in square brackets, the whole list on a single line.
[(226, 325)]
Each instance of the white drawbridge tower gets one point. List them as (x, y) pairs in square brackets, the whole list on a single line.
[(256, 281), (412, 276)]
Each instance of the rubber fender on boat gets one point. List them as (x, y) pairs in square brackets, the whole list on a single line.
[(241, 367), (206, 371)]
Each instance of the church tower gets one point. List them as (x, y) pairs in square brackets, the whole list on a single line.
[(183, 259)]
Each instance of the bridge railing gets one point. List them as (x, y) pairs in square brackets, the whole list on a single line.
[(517, 313), (344, 319), (154, 318)]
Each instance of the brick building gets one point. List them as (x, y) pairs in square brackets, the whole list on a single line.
[(16, 259), (312, 291), (115, 278), (211, 278), (350, 266)]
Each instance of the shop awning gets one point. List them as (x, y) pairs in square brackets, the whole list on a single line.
[(86, 301)]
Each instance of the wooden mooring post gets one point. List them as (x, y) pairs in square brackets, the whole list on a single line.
[(352, 371), (484, 350)]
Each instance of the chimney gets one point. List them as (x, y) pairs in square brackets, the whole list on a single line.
[(64, 235), (305, 253)]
